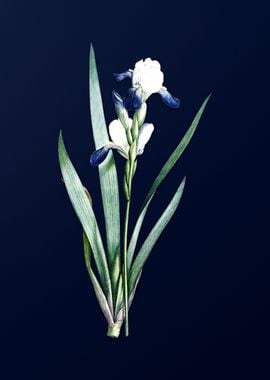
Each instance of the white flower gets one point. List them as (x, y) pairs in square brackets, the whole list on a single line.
[(147, 79), (119, 141)]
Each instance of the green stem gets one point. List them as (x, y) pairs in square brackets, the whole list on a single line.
[(125, 266), (129, 173)]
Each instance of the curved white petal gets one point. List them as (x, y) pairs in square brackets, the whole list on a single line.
[(139, 64), (152, 80), (156, 64), (148, 76), (148, 61), (144, 136), (118, 134), (119, 149)]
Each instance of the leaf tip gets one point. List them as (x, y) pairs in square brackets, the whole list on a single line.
[(61, 147), (60, 138), (208, 97), (183, 183), (92, 51)]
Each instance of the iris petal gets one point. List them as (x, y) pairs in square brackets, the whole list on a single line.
[(98, 156), (168, 99), (120, 109), (133, 100), (118, 134), (124, 75), (144, 136)]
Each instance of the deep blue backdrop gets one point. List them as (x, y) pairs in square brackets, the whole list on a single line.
[(202, 307)]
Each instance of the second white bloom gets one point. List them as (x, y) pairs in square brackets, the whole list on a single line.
[(119, 139)]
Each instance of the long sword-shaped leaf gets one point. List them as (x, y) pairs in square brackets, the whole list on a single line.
[(107, 170), (121, 310), (84, 211), (97, 288), (155, 233), (174, 157), (135, 234)]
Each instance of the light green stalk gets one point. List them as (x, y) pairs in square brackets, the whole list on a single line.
[(125, 267), (130, 169)]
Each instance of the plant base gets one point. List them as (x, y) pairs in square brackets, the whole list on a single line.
[(114, 330)]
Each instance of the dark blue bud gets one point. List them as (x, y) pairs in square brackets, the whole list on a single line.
[(98, 156)]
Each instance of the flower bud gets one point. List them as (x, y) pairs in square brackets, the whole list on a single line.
[(135, 127), (141, 114), (134, 168), (133, 151), (127, 169), (126, 190), (120, 109)]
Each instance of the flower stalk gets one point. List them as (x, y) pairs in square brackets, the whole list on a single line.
[(130, 168), (126, 291)]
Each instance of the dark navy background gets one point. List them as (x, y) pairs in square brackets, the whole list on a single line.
[(202, 307)]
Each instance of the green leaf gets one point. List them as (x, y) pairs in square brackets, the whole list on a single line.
[(97, 288), (84, 211), (177, 152), (107, 170), (135, 234), (119, 296), (152, 238), (120, 310), (174, 157)]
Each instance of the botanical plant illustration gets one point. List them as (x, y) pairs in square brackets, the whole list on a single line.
[(118, 266)]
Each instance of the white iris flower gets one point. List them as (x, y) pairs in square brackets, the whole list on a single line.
[(119, 141), (147, 79)]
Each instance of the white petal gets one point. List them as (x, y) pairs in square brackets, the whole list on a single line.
[(148, 61), (156, 64), (139, 64), (119, 149), (148, 76), (118, 134), (144, 136)]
